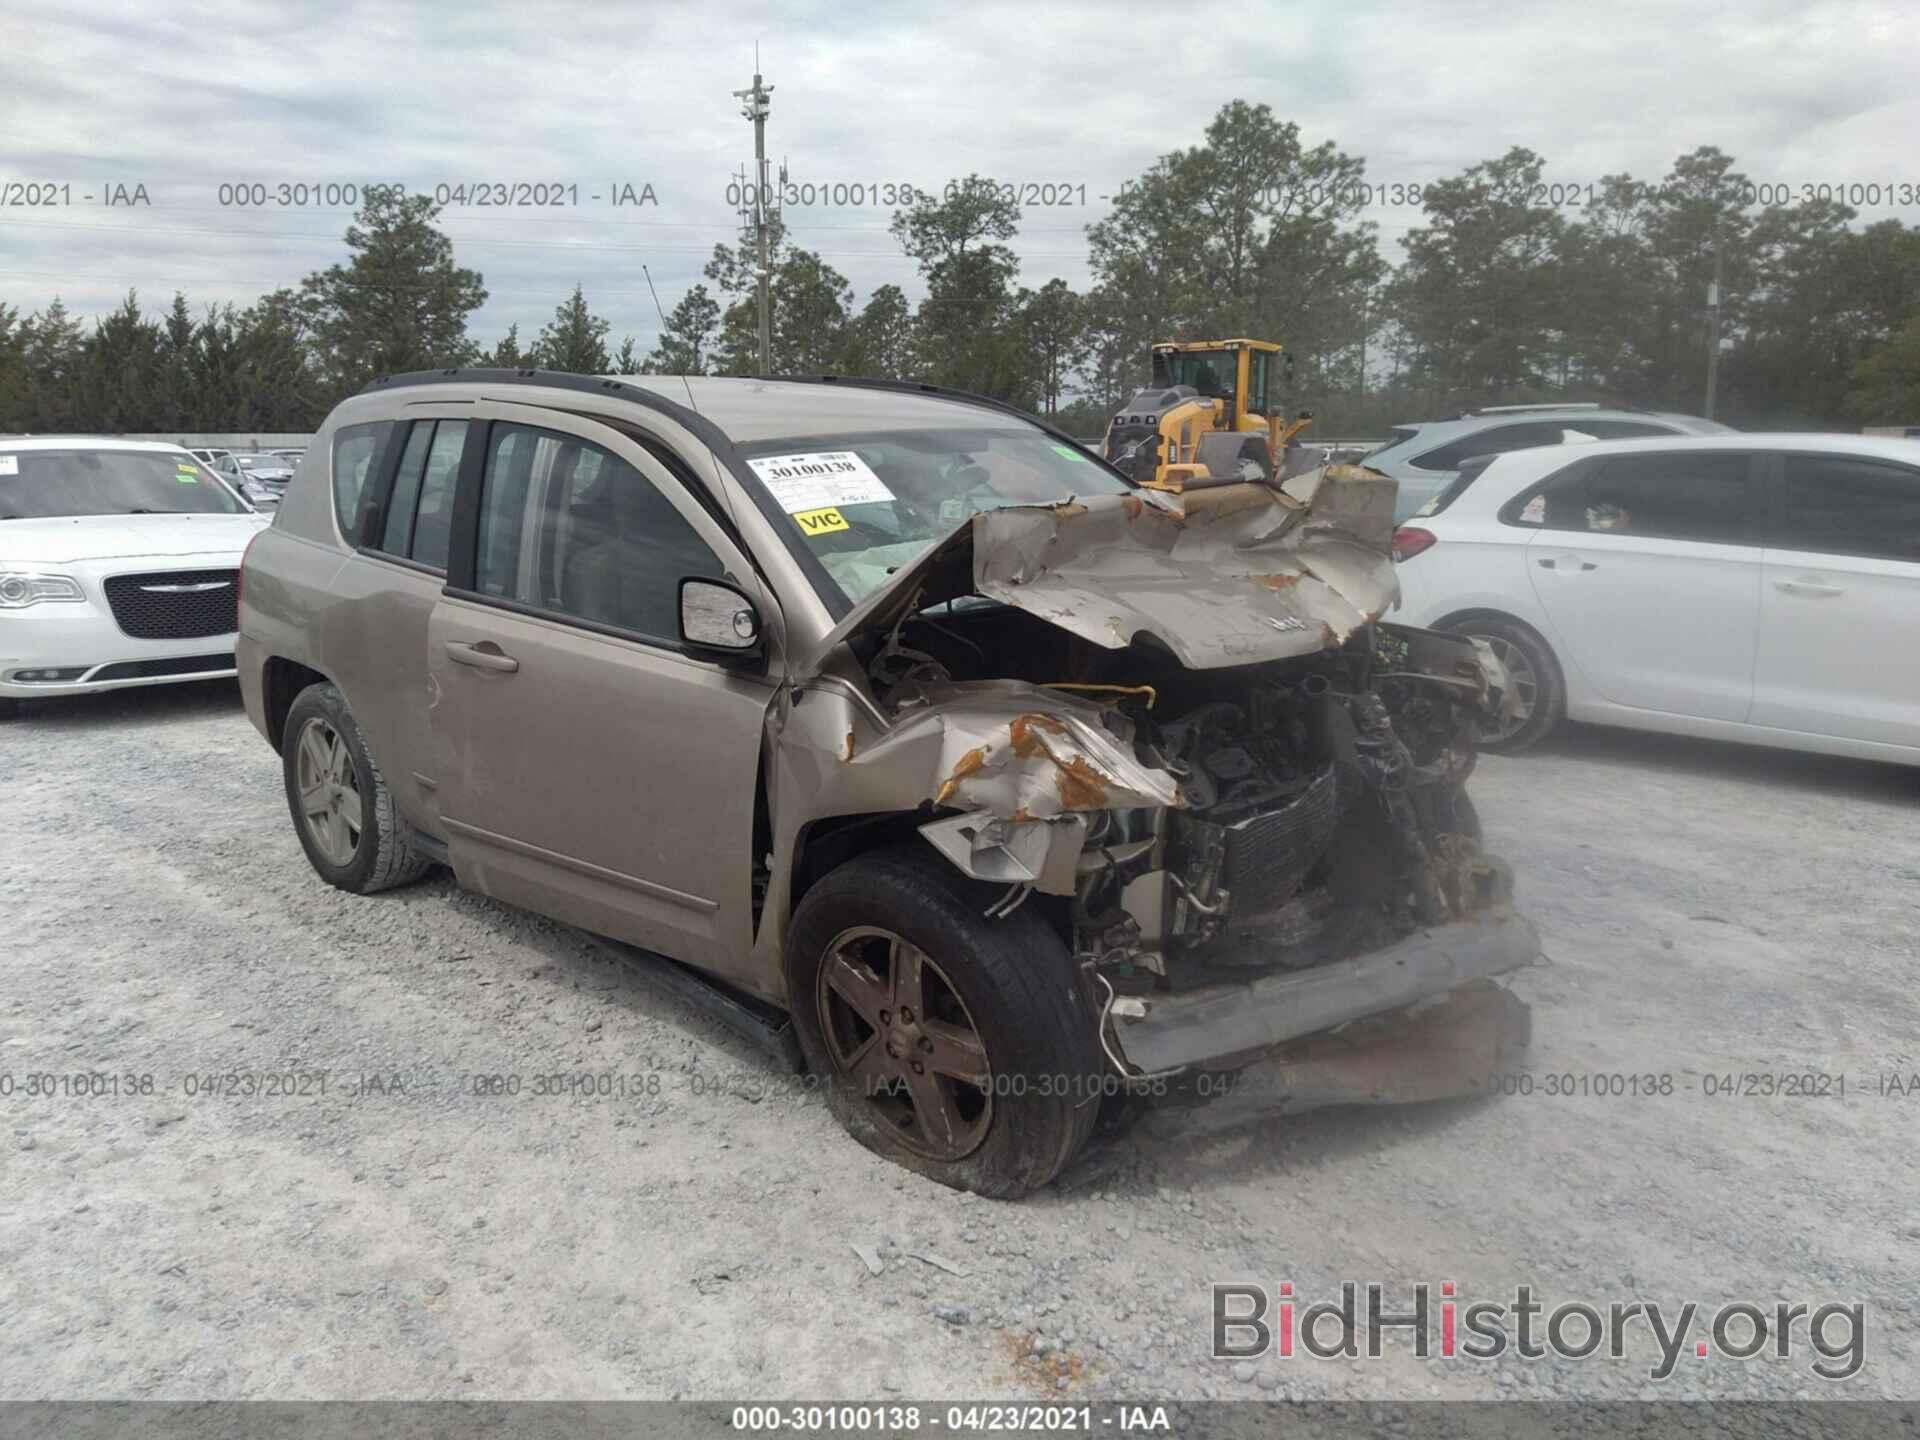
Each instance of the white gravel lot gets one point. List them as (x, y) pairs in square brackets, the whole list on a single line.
[(1707, 910)]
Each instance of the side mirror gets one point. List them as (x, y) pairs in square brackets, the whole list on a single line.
[(716, 616)]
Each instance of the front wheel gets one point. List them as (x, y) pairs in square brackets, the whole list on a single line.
[(955, 1045)]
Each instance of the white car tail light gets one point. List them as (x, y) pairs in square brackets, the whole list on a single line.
[(1410, 540)]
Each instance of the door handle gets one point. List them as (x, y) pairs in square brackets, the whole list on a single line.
[(1807, 587), (484, 656), (1550, 563)]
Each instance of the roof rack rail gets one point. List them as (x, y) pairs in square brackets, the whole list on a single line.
[(603, 384), (1548, 405)]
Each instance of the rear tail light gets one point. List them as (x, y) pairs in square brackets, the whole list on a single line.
[(1410, 540)]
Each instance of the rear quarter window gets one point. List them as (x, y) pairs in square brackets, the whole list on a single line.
[(356, 455), (1495, 440), (1396, 437), (1470, 471)]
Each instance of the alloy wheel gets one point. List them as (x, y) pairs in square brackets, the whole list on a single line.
[(895, 1026), (1526, 686), (330, 802)]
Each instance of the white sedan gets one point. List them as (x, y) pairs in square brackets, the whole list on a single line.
[(118, 566), (1763, 588)]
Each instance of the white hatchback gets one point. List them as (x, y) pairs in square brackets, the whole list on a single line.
[(1763, 588), (119, 565)]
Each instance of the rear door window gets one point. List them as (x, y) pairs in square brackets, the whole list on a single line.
[(1846, 505), (398, 532), (419, 516), (1669, 495)]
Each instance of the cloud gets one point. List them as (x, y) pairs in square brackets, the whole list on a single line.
[(593, 96)]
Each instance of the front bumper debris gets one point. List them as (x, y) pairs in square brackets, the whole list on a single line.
[(1457, 1045), (1225, 1026)]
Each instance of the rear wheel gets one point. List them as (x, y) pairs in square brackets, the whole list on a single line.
[(955, 1045), (342, 810), (1535, 677)]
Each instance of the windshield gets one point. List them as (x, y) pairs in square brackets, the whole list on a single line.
[(1211, 372), (864, 505), (41, 484), (260, 462)]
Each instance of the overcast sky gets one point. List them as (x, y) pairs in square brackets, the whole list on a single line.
[(602, 95)]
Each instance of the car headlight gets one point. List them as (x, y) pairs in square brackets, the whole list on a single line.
[(21, 588)]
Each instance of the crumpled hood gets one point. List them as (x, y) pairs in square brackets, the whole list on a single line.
[(1231, 575), (65, 539)]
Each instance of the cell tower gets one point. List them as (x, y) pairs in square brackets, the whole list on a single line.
[(755, 102)]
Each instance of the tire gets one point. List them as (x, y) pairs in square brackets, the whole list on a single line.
[(1549, 691), (9, 708), (1040, 1085), (322, 740)]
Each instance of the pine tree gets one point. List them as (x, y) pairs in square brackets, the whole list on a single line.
[(180, 365), (278, 389), (963, 335), (400, 303), (52, 356), (116, 388), (575, 341), (880, 340), (1051, 321), (13, 369), (507, 354), (689, 333)]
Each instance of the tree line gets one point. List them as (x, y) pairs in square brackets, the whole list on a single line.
[(1498, 297)]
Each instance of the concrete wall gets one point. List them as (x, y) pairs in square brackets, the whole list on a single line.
[(198, 440)]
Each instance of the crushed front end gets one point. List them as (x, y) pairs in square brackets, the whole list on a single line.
[(1324, 867), (1182, 727)]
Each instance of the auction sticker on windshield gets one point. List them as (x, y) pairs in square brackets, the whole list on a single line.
[(819, 481), (820, 522), (9, 464)]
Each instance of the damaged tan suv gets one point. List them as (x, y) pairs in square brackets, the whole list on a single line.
[(1017, 787)]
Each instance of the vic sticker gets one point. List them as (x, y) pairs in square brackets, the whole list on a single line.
[(821, 522), (822, 480)]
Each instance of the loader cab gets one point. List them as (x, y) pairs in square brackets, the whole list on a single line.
[(1237, 372)]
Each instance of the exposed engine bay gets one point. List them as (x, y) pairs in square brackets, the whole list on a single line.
[(1319, 810)]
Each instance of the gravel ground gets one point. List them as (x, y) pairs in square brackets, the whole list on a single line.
[(1707, 910)]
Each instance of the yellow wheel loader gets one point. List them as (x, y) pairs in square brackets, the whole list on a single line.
[(1207, 418)]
